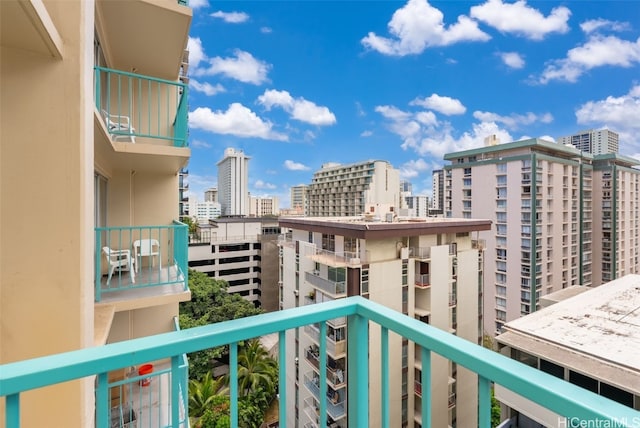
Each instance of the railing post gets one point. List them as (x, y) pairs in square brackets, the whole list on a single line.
[(484, 402), (175, 391), (358, 373), (322, 368), (97, 266), (102, 398), (384, 369), (13, 411), (233, 383), (282, 378), (425, 380)]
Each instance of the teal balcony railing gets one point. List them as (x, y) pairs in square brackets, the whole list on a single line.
[(546, 390), (133, 257), (143, 106)]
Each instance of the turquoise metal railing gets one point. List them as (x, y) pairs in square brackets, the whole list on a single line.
[(130, 257), (155, 108), (546, 390)]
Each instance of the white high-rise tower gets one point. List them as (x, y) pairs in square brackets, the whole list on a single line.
[(233, 179)]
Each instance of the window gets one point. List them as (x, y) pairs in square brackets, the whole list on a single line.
[(501, 266), (501, 204), (466, 182), (501, 229), (501, 167), (501, 278), (501, 180), (501, 217), (501, 253), (501, 303), (501, 192)]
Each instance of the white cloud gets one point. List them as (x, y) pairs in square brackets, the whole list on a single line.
[(413, 168), (366, 133), (417, 26), (238, 120), (243, 67), (231, 17), (199, 183), (598, 51), (197, 4), (513, 121), (298, 108), (259, 184), (444, 105), (295, 166), (266, 30), (603, 24), (437, 139), (206, 88), (199, 144), (619, 114), (520, 19), (196, 53), (512, 59)]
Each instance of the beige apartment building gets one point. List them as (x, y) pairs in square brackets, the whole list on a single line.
[(92, 176), (338, 190), (561, 217), (586, 336), (426, 268)]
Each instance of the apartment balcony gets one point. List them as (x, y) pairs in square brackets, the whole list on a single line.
[(334, 288), (423, 281), (149, 36), (422, 253), (344, 259), (335, 374), (335, 404), (140, 121), (549, 392), (336, 344), (28, 26), (137, 263)]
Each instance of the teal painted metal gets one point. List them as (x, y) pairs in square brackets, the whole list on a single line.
[(484, 402), (384, 381), (546, 390), (425, 360), (282, 375), (170, 266), (322, 368), (233, 383), (136, 96), (102, 401)]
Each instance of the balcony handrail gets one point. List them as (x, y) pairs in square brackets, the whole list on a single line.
[(133, 93), (544, 389)]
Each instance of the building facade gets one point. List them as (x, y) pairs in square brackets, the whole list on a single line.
[(261, 206), (211, 195), (233, 183), (417, 206), (594, 141), (602, 360), (243, 252), (549, 231), (428, 269), (67, 134), (437, 198), (350, 190), (299, 201)]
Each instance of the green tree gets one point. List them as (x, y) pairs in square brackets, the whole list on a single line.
[(210, 303), (204, 394), (257, 371), (495, 410)]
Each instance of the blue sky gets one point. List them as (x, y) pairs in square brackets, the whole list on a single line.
[(295, 84)]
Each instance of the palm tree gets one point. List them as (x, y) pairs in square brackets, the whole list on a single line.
[(203, 394), (256, 369)]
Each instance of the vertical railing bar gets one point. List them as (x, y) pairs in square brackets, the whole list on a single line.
[(139, 121), (167, 104), (282, 378), (12, 416), (102, 399), (322, 368), (358, 371), (98, 265), (233, 382), (175, 380), (384, 370), (484, 402), (149, 109), (425, 358)]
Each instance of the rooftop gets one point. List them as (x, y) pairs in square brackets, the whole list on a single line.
[(598, 328), (374, 227)]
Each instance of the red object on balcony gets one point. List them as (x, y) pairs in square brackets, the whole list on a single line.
[(145, 369)]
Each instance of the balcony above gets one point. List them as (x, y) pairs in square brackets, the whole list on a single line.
[(148, 36), (27, 25)]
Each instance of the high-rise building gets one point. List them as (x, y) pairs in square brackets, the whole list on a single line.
[(107, 263), (350, 190), (561, 218), (261, 206), (299, 201), (589, 339), (183, 197), (205, 211), (417, 206), (429, 269), (243, 252), (594, 141), (211, 195), (233, 183), (437, 198)]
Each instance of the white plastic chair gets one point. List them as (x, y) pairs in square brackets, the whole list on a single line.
[(146, 248), (116, 123), (119, 259)]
